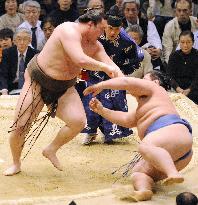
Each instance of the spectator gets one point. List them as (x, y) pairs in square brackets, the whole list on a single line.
[(64, 12), (48, 26), (195, 45), (186, 198), (182, 67), (11, 19), (10, 74), (182, 22), (117, 5), (46, 7), (146, 66), (151, 38), (96, 4), (32, 13), (6, 38), (72, 203)]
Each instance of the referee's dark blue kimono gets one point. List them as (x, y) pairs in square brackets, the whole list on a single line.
[(123, 52)]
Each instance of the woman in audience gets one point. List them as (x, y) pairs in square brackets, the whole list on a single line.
[(11, 19), (182, 67)]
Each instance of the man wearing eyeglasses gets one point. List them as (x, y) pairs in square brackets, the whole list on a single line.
[(11, 79)]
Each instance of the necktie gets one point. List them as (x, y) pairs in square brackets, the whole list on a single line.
[(34, 41), (21, 71)]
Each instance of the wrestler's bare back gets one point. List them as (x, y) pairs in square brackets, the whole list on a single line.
[(55, 61), (151, 107)]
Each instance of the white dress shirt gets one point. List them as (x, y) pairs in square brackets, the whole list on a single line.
[(153, 36)]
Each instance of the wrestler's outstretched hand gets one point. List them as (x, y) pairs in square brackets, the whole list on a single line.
[(95, 105), (94, 89), (113, 72)]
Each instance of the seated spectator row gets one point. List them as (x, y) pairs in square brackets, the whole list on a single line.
[(157, 35)]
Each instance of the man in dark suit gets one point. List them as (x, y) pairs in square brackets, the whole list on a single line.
[(15, 60)]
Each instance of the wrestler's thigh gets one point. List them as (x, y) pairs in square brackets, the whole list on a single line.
[(27, 94), (70, 108), (176, 139), (144, 167)]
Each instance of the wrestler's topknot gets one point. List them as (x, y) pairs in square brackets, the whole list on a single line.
[(92, 14)]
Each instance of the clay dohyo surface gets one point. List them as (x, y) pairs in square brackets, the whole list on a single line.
[(86, 168)]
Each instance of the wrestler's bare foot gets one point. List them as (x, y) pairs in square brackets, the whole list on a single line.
[(53, 158), (127, 193), (173, 180), (14, 169), (141, 195)]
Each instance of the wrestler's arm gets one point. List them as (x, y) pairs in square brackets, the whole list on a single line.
[(125, 119), (71, 42), (102, 56), (135, 86)]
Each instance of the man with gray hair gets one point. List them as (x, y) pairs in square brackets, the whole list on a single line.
[(15, 60), (99, 4), (32, 12)]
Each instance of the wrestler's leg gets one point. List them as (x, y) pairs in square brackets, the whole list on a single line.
[(181, 164), (17, 135), (143, 177), (164, 146), (71, 111), (142, 183), (161, 160)]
